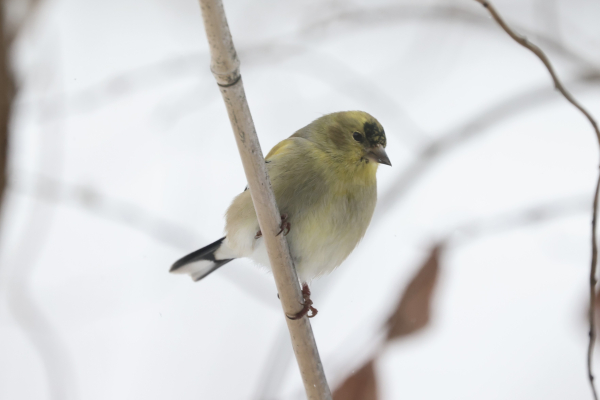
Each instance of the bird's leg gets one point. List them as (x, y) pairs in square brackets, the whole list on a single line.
[(307, 305), (285, 228)]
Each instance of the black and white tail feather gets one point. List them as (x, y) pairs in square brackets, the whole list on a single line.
[(201, 262)]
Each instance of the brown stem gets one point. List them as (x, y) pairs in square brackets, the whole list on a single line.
[(592, 311)]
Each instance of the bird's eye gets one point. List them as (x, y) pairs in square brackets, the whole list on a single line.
[(357, 136)]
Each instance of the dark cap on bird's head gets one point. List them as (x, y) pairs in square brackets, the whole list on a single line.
[(375, 136), (362, 129), (374, 133)]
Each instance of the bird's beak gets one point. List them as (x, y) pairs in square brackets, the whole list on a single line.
[(379, 155)]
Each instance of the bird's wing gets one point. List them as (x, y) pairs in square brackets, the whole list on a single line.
[(280, 148)]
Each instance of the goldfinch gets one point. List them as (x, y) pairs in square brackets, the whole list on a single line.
[(324, 181)]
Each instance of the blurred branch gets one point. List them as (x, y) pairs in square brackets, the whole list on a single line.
[(274, 367), (87, 198), (451, 140), (225, 68), (340, 76), (319, 66), (7, 95), (117, 86), (558, 85), (279, 49), (53, 191), (9, 29), (520, 218), (394, 13), (316, 65), (547, 10), (19, 13), (21, 263)]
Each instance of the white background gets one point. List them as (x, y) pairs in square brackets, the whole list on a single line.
[(122, 160)]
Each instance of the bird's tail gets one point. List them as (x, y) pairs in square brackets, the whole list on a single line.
[(202, 262)]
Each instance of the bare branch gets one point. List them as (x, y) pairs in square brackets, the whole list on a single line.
[(225, 68), (558, 85)]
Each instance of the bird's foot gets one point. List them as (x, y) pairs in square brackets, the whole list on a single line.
[(307, 305), (285, 229)]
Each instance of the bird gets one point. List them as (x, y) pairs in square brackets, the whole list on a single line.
[(324, 181)]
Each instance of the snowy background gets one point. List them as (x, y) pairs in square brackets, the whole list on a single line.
[(122, 160)]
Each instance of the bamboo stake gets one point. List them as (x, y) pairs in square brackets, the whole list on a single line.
[(225, 67)]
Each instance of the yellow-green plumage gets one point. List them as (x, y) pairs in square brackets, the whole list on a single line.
[(323, 177), (323, 182)]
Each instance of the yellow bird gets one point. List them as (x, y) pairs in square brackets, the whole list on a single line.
[(324, 181)]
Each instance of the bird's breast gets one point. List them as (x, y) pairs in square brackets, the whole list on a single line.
[(324, 232)]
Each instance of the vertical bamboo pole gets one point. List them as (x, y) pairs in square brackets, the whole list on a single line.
[(225, 68)]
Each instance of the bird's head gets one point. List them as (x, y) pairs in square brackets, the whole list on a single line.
[(353, 135)]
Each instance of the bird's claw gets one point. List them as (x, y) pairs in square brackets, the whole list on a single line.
[(307, 306), (285, 226)]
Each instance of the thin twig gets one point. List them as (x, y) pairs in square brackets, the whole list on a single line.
[(225, 68), (592, 311), (558, 85)]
